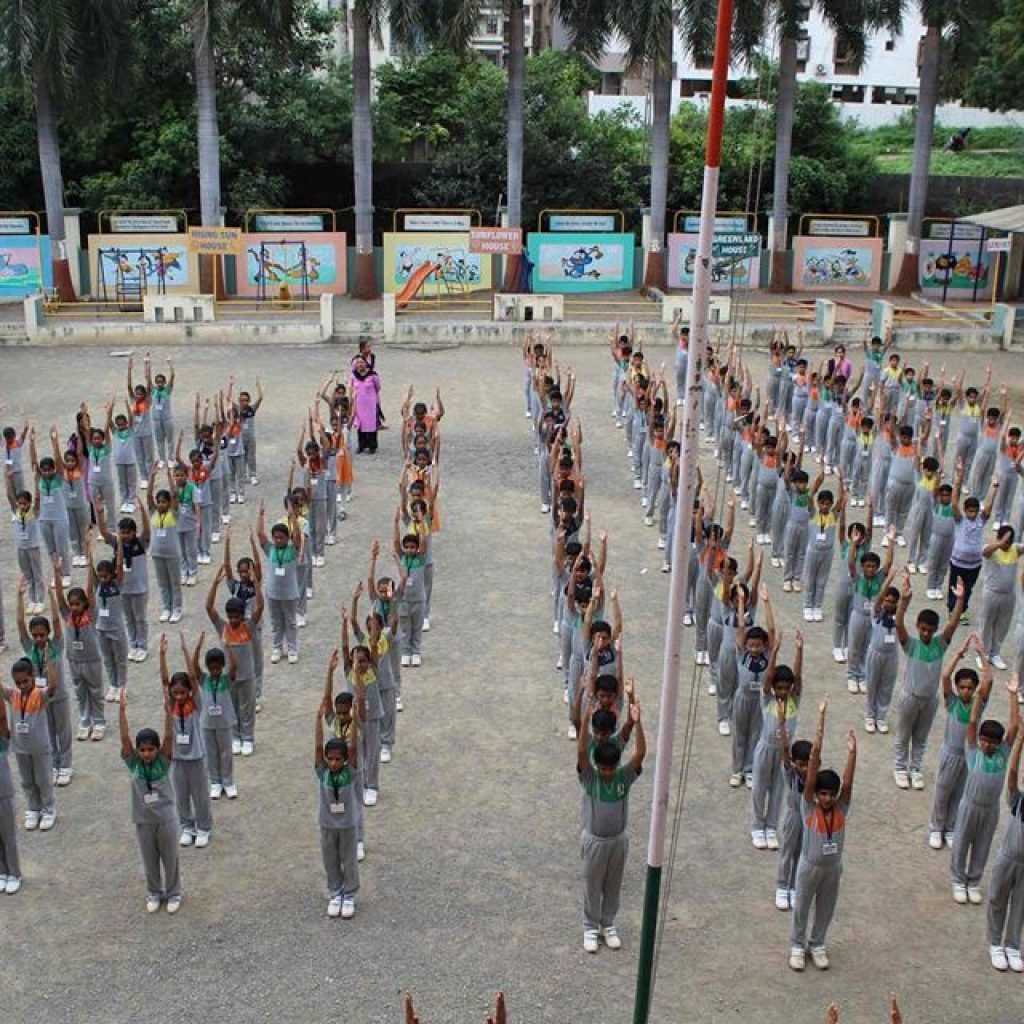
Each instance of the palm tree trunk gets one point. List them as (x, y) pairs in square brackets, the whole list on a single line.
[(53, 189), (208, 139), (365, 282), (924, 132), (785, 114), (661, 113), (514, 142)]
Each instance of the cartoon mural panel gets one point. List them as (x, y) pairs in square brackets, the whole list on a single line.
[(726, 274), (161, 262), (565, 262), (454, 268), (292, 258), (25, 265), (837, 264), (955, 269)]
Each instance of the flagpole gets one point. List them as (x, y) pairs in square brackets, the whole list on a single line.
[(684, 518)]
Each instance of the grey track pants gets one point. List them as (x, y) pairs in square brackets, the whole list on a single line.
[(168, 580), (388, 722), (56, 538), (192, 795), (243, 697), (158, 844), (282, 624), (1006, 901), (818, 887), (135, 619), (369, 742), (914, 717), (219, 760), (746, 728), (9, 863), (604, 863), (114, 649), (975, 829), (790, 843), (338, 848), (410, 625), (949, 788), (30, 562), (36, 773), (766, 798), (58, 718), (87, 679)]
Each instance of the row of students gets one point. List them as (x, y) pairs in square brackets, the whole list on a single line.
[(604, 715)]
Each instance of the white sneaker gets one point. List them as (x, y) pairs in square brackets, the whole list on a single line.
[(399, 706), (202, 839), (901, 541), (590, 940), (818, 615), (215, 537), (370, 797), (233, 499), (64, 777), (65, 581), (49, 818), (808, 615), (687, 618), (712, 690), (637, 485), (948, 838), (555, 627), (916, 780), (922, 569), (771, 837), (141, 654), (782, 899), (998, 957), (797, 586), (165, 615), (820, 958), (330, 540), (883, 726), (611, 937), (225, 519), (143, 484), (152, 904), (176, 613), (1013, 958), (406, 661), (935, 839), (216, 790), (348, 908), (902, 779), (416, 661), (426, 625), (83, 732), (571, 732), (293, 657), (911, 568), (724, 728), (757, 837), (360, 852), (851, 686), (973, 892), (236, 746), (300, 621), (334, 907), (661, 543), (113, 695), (666, 566), (545, 509), (99, 730), (187, 839), (13, 884), (31, 821), (838, 655), (560, 663), (997, 662), (247, 748), (787, 586), (231, 792), (870, 725), (254, 480), (959, 893), (736, 780), (385, 755), (797, 958)]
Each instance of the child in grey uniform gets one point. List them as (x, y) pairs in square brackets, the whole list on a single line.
[(77, 506), (958, 689), (10, 866), (918, 699), (51, 502), (122, 440), (84, 658), (140, 404), (409, 552), (384, 630), (604, 844), (1006, 896), (821, 545), (108, 577), (752, 647), (335, 764), (919, 522), (160, 389), (32, 748), (165, 551), (987, 748), (940, 542), (282, 582), (101, 465), (28, 539), (794, 771), (135, 588), (188, 766), (999, 592), (361, 665), (780, 701), (41, 648), (825, 805), (883, 660), (154, 808), (217, 719)]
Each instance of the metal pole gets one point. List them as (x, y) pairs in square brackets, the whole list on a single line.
[(684, 518)]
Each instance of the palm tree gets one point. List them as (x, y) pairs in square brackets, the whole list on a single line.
[(852, 22), (210, 22), (514, 150), (64, 51), (956, 34), (647, 29)]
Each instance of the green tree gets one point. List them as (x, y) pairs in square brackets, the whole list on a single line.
[(955, 32), (998, 78), (63, 52)]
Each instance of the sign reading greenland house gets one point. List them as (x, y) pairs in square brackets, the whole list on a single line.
[(437, 221)]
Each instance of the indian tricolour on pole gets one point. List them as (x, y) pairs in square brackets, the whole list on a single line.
[(684, 518)]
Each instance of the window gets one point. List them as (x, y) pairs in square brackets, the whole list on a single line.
[(803, 49), (843, 58), (490, 26), (890, 44)]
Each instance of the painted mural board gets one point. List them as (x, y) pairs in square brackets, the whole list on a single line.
[(461, 270), (726, 273), (955, 269), (837, 264), (277, 258), (25, 265), (581, 263), (163, 260)]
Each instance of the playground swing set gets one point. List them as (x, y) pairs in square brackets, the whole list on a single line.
[(136, 271), (282, 271)]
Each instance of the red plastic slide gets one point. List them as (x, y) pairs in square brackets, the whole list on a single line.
[(415, 283)]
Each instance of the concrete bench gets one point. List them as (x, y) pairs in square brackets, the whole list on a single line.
[(169, 309), (719, 310), (540, 308)]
